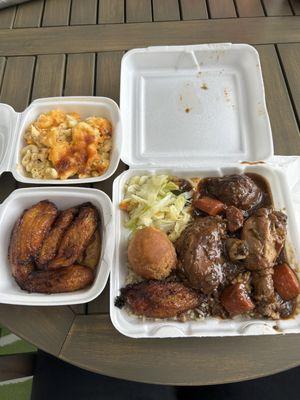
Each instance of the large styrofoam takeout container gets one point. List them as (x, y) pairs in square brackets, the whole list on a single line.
[(13, 126), (195, 111), (63, 197)]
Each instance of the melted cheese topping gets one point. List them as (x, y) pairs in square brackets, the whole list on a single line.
[(75, 148)]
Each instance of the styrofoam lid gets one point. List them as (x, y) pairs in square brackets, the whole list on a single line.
[(185, 105)]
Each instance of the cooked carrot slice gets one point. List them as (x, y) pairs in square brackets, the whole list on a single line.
[(286, 282), (209, 205), (236, 300)]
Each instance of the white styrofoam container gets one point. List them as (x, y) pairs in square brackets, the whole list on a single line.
[(194, 111), (13, 126), (63, 197)]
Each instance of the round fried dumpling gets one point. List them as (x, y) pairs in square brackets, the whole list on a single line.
[(151, 254)]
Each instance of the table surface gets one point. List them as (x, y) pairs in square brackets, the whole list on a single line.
[(64, 47)]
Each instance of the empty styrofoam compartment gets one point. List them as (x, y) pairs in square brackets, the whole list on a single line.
[(13, 126), (133, 326), (63, 197), (190, 104)]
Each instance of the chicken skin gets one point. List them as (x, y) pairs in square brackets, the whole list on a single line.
[(200, 253), (264, 233), (234, 190)]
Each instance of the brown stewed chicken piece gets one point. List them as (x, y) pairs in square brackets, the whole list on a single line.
[(200, 253), (234, 190), (265, 233)]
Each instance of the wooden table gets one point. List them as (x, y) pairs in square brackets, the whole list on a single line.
[(64, 47)]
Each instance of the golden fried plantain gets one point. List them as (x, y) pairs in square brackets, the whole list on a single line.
[(50, 246), (159, 299), (28, 234), (70, 279), (76, 238), (91, 256)]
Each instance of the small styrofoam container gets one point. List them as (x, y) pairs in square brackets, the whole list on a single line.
[(13, 126), (63, 197), (194, 111)]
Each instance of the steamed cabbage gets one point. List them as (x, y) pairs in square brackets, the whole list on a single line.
[(156, 201)]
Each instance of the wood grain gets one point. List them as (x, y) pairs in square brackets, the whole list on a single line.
[(277, 7), (29, 14), (49, 76), (80, 75), (203, 361), (108, 74), (16, 87), (138, 11), (283, 122), (16, 366), (46, 327), (221, 9), (7, 185), (166, 10), (7, 17), (193, 9), (2, 67), (295, 6), (117, 37), (290, 59), (83, 12), (56, 12), (249, 8), (100, 305), (111, 11)]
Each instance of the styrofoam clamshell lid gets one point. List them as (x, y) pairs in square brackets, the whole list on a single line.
[(185, 105)]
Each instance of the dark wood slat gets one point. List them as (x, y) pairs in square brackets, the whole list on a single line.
[(83, 12), (277, 7), (193, 9), (7, 185), (7, 17), (290, 59), (46, 327), (29, 14), (80, 75), (17, 80), (111, 11), (138, 11), (167, 10), (249, 8), (94, 344), (283, 122), (296, 6), (17, 366), (2, 66), (56, 12), (100, 305), (51, 66), (221, 9), (108, 74), (115, 37)]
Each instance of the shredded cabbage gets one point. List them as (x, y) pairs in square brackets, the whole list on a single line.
[(151, 201)]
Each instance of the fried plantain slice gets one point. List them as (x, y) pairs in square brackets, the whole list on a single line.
[(27, 236), (91, 256), (158, 299), (50, 245), (70, 279), (76, 238)]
